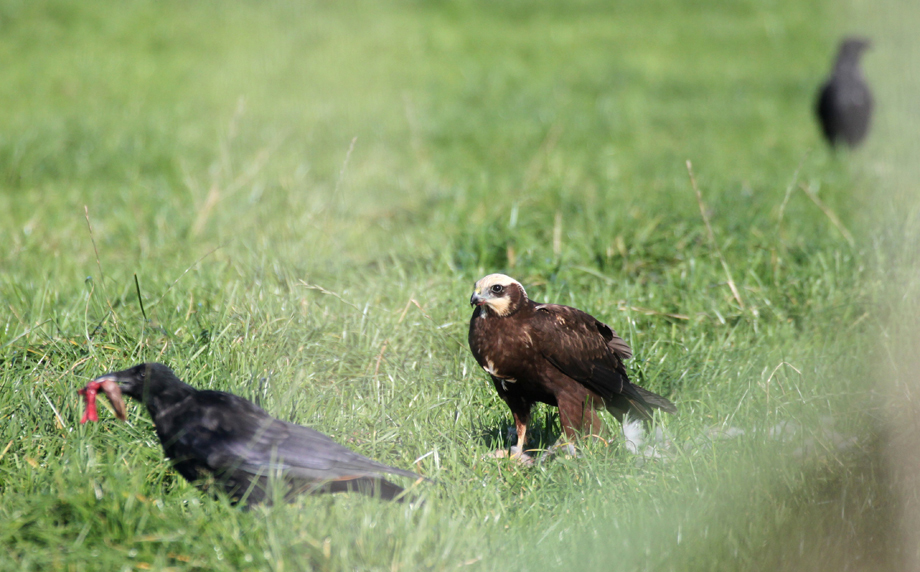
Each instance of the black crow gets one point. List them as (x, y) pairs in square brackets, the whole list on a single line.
[(845, 102), (214, 436)]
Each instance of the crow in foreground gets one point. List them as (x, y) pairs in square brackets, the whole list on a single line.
[(221, 436), (556, 355), (845, 102)]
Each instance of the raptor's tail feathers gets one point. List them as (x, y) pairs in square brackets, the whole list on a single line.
[(656, 401)]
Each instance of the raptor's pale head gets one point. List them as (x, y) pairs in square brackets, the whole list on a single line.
[(498, 294)]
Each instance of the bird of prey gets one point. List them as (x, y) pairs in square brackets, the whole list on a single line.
[(556, 355), (844, 104), (223, 438)]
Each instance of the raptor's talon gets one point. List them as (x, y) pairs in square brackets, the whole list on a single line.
[(515, 454), (567, 449)]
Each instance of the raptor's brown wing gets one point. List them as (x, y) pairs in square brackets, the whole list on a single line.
[(584, 349)]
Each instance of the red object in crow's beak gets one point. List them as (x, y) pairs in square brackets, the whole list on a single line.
[(89, 395), (109, 386)]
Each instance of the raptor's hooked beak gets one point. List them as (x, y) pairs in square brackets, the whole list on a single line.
[(476, 299)]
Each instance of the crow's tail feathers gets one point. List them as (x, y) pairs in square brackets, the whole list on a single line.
[(371, 486)]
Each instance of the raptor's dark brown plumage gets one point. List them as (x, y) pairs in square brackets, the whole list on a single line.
[(553, 354), (213, 435)]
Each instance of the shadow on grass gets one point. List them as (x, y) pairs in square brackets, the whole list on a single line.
[(542, 432)]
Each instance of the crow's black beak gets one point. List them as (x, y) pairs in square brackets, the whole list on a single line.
[(108, 377), (125, 384)]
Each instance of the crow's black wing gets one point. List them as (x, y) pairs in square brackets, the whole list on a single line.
[(826, 112), (240, 436), (302, 453)]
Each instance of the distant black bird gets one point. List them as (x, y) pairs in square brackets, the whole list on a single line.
[(845, 102), (221, 436)]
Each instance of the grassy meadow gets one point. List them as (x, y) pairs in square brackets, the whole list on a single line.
[(291, 201)]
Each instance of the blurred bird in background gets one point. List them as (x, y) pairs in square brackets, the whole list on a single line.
[(845, 102)]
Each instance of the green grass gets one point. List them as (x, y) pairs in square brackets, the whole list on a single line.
[(306, 193)]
